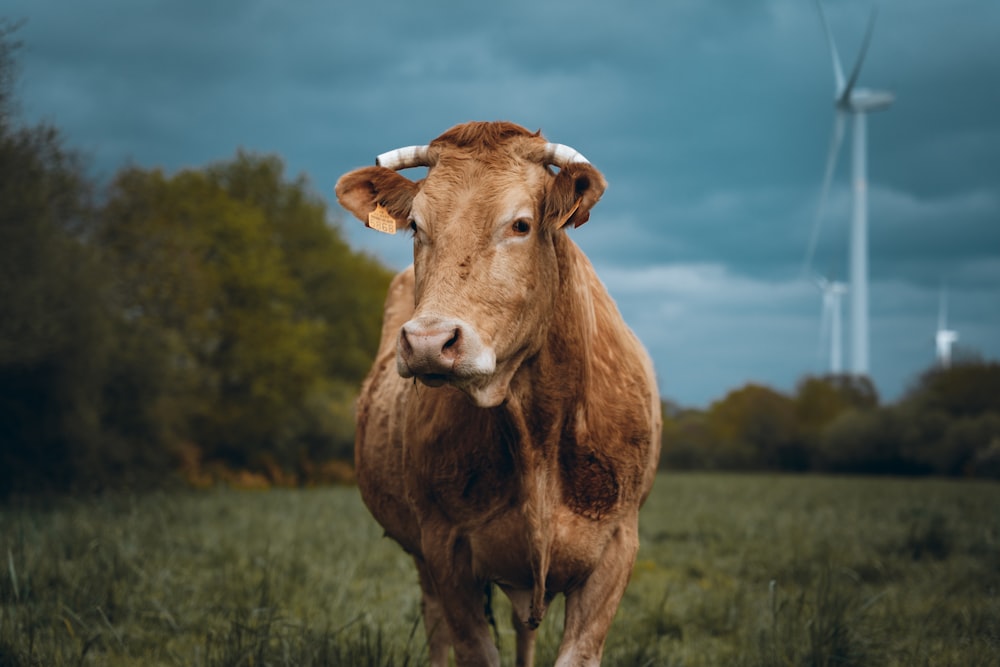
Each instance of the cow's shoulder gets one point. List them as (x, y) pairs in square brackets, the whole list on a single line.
[(608, 447), (605, 453)]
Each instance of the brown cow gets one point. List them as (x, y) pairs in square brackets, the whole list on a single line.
[(522, 456)]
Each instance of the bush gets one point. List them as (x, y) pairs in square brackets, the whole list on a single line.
[(863, 442)]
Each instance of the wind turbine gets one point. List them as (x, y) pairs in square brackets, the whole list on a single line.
[(945, 337), (833, 291), (856, 102)]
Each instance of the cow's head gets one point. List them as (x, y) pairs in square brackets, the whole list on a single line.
[(485, 223)]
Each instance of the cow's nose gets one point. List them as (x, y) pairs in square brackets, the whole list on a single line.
[(430, 348)]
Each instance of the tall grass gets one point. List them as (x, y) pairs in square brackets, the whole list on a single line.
[(733, 570)]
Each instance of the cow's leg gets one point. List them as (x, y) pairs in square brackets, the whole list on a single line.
[(520, 613), (438, 634), (591, 607), (525, 642), (460, 593)]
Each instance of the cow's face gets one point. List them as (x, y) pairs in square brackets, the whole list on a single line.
[(484, 224)]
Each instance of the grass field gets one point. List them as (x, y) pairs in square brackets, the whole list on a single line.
[(733, 570)]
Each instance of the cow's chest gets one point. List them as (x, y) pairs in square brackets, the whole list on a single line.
[(510, 509), (473, 465), (462, 480), (505, 549)]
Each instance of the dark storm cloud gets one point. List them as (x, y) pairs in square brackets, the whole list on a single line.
[(710, 119)]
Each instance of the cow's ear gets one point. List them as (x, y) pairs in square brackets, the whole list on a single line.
[(574, 191), (362, 190)]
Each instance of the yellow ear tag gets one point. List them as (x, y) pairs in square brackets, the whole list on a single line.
[(380, 220)]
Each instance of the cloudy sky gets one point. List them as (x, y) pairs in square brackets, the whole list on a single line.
[(710, 119)]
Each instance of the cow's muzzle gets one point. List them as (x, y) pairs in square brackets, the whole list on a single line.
[(437, 350)]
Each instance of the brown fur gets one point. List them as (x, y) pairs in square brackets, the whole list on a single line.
[(539, 491)]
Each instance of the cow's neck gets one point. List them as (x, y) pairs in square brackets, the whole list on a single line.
[(556, 376), (546, 408)]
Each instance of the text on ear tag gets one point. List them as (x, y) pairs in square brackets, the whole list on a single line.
[(380, 220)]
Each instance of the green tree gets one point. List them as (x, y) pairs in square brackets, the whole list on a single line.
[(687, 442), (755, 427), (59, 350), (952, 417), (53, 329), (865, 442), (216, 306), (235, 271), (341, 289), (821, 400), (969, 387), (199, 272)]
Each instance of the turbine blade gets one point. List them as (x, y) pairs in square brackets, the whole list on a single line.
[(861, 56), (831, 162), (838, 73)]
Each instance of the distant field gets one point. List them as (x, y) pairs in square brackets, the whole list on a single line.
[(733, 570)]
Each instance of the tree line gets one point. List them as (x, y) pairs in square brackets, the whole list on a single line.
[(211, 317), (947, 423)]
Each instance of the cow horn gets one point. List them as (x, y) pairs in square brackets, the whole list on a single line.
[(404, 158), (560, 155)]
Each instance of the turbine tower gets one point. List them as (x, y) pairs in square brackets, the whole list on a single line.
[(830, 328), (850, 100), (945, 337)]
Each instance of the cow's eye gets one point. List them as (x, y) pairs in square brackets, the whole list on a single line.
[(413, 226), (521, 226)]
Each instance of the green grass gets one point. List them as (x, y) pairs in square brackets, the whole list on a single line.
[(733, 570)]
